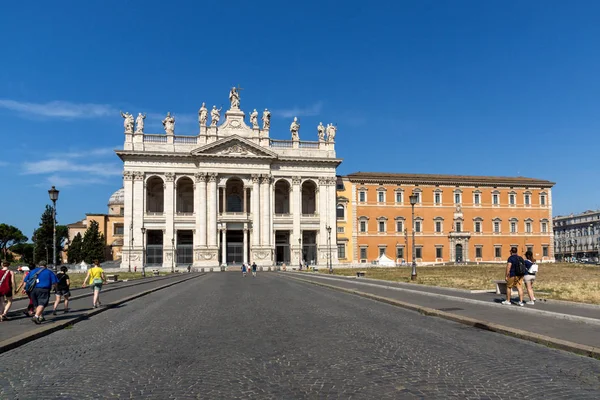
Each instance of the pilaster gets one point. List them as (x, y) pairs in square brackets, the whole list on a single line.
[(200, 211), (169, 211), (255, 206)]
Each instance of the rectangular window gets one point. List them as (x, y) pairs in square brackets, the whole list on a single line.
[(381, 226), (530, 248), (418, 197), (362, 196), (498, 252), (418, 253), (438, 226), (438, 252), (458, 226), (477, 198), (544, 251), (543, 200), (417, 226), (544, 227), (381, 251), (528, 227), (399, 226), (513, 227), (118, 229), (399, 252), (478, 252), (438, 198), (398, 197), (340, 229), (495, 199), (380, 197), (363, 226), (456, 198), (477, 227), (341, 251), (363, 253), (496, 227), (527, 199), (511, 199)]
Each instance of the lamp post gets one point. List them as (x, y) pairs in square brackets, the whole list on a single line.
[(143, 251), (53, 193), (329, 249), (413, 200), (172, 255), (300, 253), (405, 245)]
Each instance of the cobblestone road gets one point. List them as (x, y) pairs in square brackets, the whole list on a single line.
[(225, 337)]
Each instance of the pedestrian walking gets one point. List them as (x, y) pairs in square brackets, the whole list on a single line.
[(95, 277), (254, 269), (515, 269), (44, 280), (244, 269), (62, 289), (529, 277), (21, 289), (7, 287)]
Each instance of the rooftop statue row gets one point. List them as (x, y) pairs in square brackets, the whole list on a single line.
[(330, 131)]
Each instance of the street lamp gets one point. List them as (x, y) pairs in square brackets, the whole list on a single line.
[(172, 255), (300, 252), (329, 248), (413, 200), (53, 193), (143, 251)]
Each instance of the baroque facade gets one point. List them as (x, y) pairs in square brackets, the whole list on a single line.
[(577, 236), (457, 218), (229, 194)]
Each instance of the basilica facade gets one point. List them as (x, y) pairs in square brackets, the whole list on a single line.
[(228, 195)]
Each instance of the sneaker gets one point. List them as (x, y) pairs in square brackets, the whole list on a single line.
[(42, 319), (54, 312), (66, 310), (530, 302), (506, 303), (521, 304), (36, 320)]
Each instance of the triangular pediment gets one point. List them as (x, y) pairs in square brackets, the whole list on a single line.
[(233, 146)]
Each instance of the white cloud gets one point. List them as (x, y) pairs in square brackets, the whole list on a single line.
[(64, 181), (64, 166), (296, 111), (59, 109)]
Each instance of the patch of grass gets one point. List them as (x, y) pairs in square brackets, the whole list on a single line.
[(562, 281)]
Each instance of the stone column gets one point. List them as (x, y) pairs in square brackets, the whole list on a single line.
[(224, 247), (169, 210), (126, 261), (139, 210), (265, 203), (224, 199), (296, 209), (244, 204), (200, 209), (255, 206), (245, 258), (211, 210), (332, 205)]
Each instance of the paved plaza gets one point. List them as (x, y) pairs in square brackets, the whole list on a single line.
[(223, 336)]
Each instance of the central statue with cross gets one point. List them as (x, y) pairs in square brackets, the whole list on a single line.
[(234, 97)]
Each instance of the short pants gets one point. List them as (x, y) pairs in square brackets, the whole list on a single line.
[(63, 292), (514, 281), (40, 296)]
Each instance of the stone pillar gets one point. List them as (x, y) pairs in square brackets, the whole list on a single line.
[(255, 206), (265, 203), (244, 204), (200, 214), (245, 258), (332, 206), (224, 199), (139, 210), (211, 210), (296, 209), (224, 247), (126, 259), (169, 210)]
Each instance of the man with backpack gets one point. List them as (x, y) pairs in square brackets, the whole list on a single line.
[(38, 285), (515, 270)]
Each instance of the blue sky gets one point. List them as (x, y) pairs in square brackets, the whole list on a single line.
[(462, 87)]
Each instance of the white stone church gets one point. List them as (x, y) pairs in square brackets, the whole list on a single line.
[(230, 194)]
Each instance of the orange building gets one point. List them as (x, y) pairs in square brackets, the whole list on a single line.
[(457, 218)]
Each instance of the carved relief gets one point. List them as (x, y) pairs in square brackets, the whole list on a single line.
[(212, 177), (265, 179), (236, 149), (135, 257), (296, 180), (169, 177), (200, 176), (255, 178)]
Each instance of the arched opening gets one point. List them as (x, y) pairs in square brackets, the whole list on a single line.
[(309, 197), (459, 253), (155, 195), (282, 197), (234, 194), (185, 195), (340, 212)]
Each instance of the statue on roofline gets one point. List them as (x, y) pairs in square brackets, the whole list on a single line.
[(266, 119), (254, 119), (295, 128), (321, 132), (169, 124), (202, 115), (139, 122), (215, 115), (234, 98), (128, 122)]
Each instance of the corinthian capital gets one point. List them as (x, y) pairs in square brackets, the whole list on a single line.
[(200, 176)]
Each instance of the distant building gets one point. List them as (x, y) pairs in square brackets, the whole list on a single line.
[(457, 218), (110, 225), (577, 236)]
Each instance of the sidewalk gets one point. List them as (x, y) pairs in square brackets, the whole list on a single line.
[(20, 329), (576, 323)]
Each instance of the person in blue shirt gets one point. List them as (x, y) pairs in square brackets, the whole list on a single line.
[(512, 280), (46, 280), (244, 269), (254, 270)]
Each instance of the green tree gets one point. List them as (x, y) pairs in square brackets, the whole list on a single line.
[(42, 237), (92, 247), (74, 253), (9, 236), (25, 250)]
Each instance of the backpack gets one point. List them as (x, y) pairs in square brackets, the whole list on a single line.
[(31, 281), (5, 288), (520, 268)]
